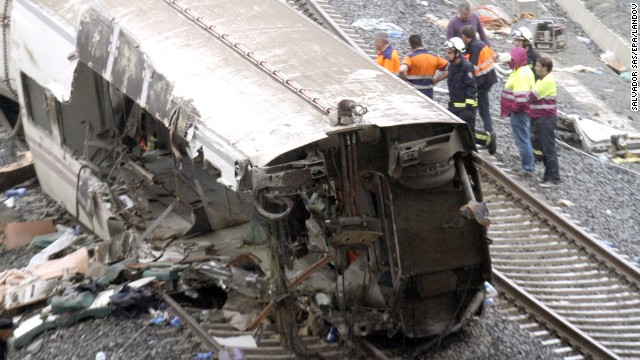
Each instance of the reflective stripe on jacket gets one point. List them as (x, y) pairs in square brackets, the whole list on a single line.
[(389, 59), (481, 57), (542, 98), (462, 85), (422, 66), (516, 89)]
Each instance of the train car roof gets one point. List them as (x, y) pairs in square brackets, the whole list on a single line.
[(239, 111)]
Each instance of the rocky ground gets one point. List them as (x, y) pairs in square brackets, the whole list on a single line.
[(606, 198)]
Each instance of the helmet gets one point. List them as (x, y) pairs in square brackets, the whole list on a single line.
[(455, 43), (522, 33)]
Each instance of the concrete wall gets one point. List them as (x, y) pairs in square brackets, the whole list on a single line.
[(598, 32)]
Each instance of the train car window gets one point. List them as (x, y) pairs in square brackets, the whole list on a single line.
[(36, 99), (85, 111)]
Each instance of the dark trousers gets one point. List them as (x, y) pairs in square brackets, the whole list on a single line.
[(535, 142), (483, 108), (545, 128), (466, 115)]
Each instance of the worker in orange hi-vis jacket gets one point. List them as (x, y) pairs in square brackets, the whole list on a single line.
[(420, 66), (388, 57)]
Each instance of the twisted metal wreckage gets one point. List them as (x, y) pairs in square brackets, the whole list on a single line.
[(144, 126)]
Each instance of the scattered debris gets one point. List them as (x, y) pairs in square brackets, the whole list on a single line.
[(379, 24), (15, 235), (563, 202), (18, 172), (579, 68), (583, 40), (609, 58)]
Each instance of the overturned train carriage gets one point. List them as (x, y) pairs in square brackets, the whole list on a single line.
[(137, 110)]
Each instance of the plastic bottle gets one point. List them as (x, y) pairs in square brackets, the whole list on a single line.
[(489, 290), (19, 192), (203, 356), (101, 356)]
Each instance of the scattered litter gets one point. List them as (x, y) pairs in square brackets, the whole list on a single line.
[(563, 202), (141, 282), (101, 356), (175, 322), (233, 354), (203, 356), (333, 335), (10, 202), (608, 243), (128, 203), (19, 192), (584, 40), (242, 341), (489, 290), (578, 68), (15, 235), (609, 58), (394, 30), (477, 211), (18, 172), (425, 3), (492, 17), (64, 304), (66, 240), (626, 75), (608, 212)]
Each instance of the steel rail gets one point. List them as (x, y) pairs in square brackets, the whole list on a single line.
[(542, 312), (621, 266), (198, 331), (331, 25)]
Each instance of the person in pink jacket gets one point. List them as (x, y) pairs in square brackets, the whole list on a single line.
[(514, 104)]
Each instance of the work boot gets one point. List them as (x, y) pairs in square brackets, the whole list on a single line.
[(492, 143)]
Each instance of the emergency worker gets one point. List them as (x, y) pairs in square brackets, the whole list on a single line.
[(523, 38), (514, 104), (481, 57), (543, 110), (420, 66), (462, 83), (388, 57)]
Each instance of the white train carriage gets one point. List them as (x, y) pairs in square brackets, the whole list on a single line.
[(172, 103)]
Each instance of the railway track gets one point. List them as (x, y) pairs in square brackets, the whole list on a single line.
[(583, 296), (568, 280), (558, 281)]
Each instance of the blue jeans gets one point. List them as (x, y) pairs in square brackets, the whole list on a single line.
[(521, 128)]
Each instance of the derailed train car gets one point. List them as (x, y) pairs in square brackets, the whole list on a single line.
[(136, 110)]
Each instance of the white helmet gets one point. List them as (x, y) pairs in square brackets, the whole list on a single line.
[(455, 43), (522, 33)]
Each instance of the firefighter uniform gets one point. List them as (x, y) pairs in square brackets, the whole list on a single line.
[(422, 67), (463, 91), (481, 57)]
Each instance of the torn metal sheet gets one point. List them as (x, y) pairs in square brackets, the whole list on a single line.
[(600, 138)]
